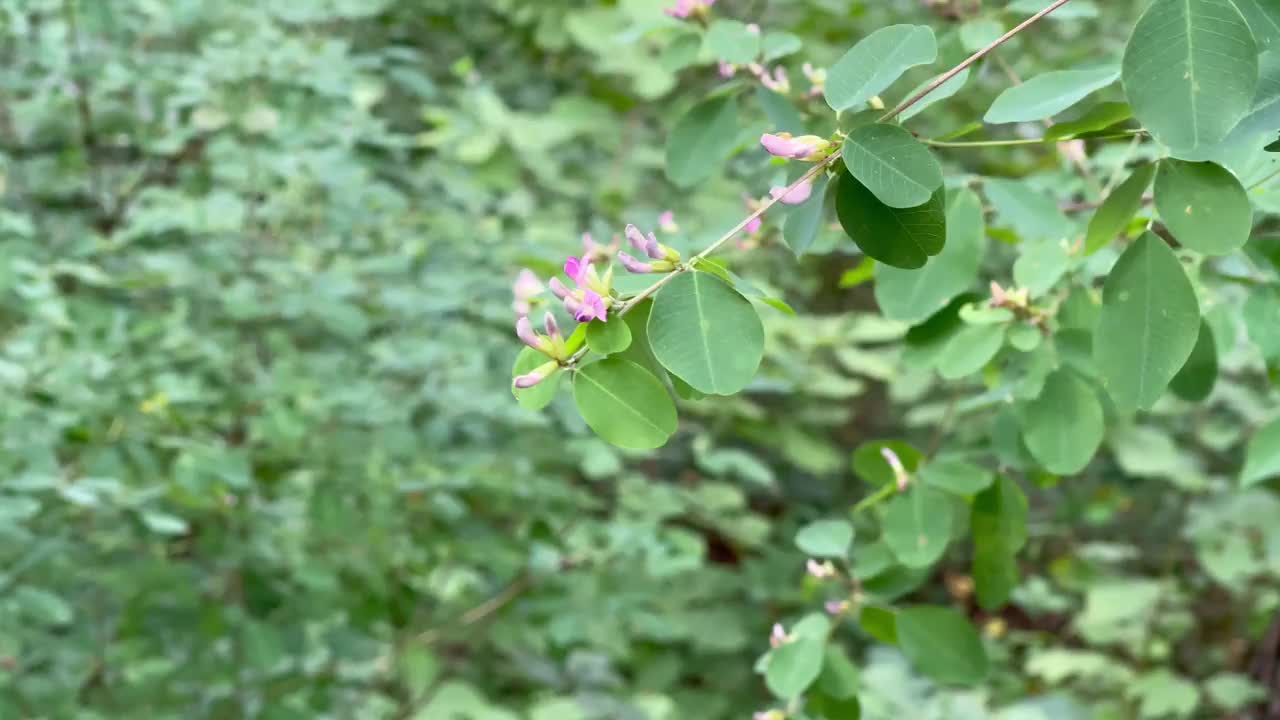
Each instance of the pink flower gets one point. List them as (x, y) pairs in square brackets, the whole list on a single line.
[(557, 288), (805, 147), (590, 307), (836, 607), (779, 83), (798, 195), (817, 78), (820, 570), (899, 472), (727, 70), (634, 266), (526, 287), (753, 28), (684, 8), (649, 245), (576, 269), (754, 226), (778, 637), (593, 252), (667, 222)]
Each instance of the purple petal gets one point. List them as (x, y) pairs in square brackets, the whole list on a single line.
[(592, 308), (557, 288), (635, 237), (753, 227), (549, 324), (524, 331), (575, 269), (633, 265), (798, 194)]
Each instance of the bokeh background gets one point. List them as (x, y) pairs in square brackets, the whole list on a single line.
[(261, 458)]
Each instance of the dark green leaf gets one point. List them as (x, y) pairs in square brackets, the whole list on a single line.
[(889, 162), (1194, 382), (999, 525), (1100, 117), (802, 223), (904, 238), (914, 295), (1113, 216)]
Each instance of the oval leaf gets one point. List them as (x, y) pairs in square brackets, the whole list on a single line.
[(733, 42), (903, 237), (999, 525), (1204, 206), (702, 140), (793, 666), (607, 338), (970, 349), (624, 404), (705, 332), (825, 538), (1064, 425), (956, 477), (1148, 326), (539, 396), (1189, 71), (914, 295), (876, 61), (802, 223), (917, 526), (890, 163), (1262, 459), (1049, 94), (942, 645), (1113, 216), (1262, 320)]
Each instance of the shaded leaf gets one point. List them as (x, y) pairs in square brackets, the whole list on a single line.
[(904, 238)]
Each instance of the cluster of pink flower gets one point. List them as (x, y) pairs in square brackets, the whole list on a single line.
[(778, 80), (684, 9), (591, 295)]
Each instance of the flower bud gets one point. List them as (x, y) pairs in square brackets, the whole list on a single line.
[(549, 324), (778, 637), (810, 148), (820, 570), (537, 375), (798, 195), (558, 288), (899, 472), (634, 266)]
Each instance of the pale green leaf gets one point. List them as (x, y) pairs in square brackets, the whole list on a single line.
[(1190, 69), (970, 349), (1149, 324), (794, 666), (889, 162), (872, 65), (953, 85), (1262, 457), (1048, 94), (942, 645), (733, 42), (1203, 205), (707, 333), (1262, 319), (914, 295), (624, 403), (1032, 214), (825, 538), (917, 525), (702, 141), (1263, 17), (539, 396), (1064, 425), (956, 476)]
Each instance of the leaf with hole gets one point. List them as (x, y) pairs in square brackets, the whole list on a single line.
[(1190, 69), (706, 333)]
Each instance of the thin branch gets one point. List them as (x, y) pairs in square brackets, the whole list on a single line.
[(1026, 141), (943, 78)]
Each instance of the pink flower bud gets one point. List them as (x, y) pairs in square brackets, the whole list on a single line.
[(524, 331), (836, 607), (727, 70), (633, 265), (899, 472), (524, 382), (805, 147), (526, 285), (667, 222), (753, 28), (778, 636), (549, 324), (998, 297), (557, 288), (820, 570), (798, 195), (635, 237)]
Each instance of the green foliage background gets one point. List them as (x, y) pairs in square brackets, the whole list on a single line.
[(260, 455)]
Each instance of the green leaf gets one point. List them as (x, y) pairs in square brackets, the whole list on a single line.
[(970, 349), (956, 477), (1064, 425), (1262, 319), (1098, 118), (979, 33), (41, 606), (1194, 382), (1032, 214), (876, 62), (998, 521), (1232, 692), (825, 538), (607, 338), (1204, 206), (942, 645), (707, 333), (840, 678), (539, 396), (824, 707), (1262, 458), (733, 42), (870, 465), (917, 525), (879, 623), (1263, 17), (889, 162), (1024, 336), (1040, 265), (782, 113), (624, 404), (803, 222), (780, 44), (1148, 326), (794, 666), (904, 238), (947, 89), (914, 295), (1118, 209), (1049, 94), (1189, 71), (702, 141)]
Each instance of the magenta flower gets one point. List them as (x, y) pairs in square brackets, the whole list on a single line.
[(633, 265), (587, 305), (576, 269), (836, 607), (798, 195), (754, 226), (551, 345), (804, 147)]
